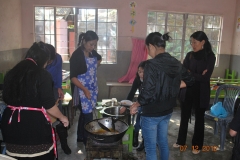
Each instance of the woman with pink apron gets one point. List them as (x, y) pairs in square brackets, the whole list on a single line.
[(28, 93)]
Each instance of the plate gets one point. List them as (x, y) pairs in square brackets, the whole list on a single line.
[(126, 103), (99, 107)]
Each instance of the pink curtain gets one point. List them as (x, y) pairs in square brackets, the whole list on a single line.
[(139, 54)]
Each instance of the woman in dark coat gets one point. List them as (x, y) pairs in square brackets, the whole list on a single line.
[(28, 92), (200, 62)]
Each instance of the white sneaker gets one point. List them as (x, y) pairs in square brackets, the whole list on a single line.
[(175, 145)]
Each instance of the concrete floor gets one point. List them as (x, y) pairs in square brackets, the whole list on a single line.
[(78, 150)]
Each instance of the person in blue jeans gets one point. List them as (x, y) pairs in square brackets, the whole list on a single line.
[(137, 83), (163, 77)]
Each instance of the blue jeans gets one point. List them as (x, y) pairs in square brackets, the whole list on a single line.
[(155, 131)]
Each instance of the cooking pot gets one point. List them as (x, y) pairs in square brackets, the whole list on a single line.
[(126, 103), (115, 112), (97, 134), (111, 103)]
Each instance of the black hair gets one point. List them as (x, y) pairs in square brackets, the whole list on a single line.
[(39, 53), (157, 39), (142, 65), (200, 36), (88, 36), (52, 51), (22, 79)]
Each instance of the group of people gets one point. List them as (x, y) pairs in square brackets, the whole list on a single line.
[(165, 80), (28, 89), (33, 93)]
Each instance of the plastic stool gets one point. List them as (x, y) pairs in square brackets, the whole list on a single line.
[(231, 75), (130, 138)]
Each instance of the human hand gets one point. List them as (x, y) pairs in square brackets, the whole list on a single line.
[(134, 108), (183, 84), (60, 94), (122, 110), (204, 72), (87, 93), (64, 120)]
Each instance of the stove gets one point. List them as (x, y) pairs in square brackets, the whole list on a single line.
[(103, 151)]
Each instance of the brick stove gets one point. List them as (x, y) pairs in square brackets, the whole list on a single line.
[(99, 151)]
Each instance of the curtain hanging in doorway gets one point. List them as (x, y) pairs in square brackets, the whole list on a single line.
[(139, 54)]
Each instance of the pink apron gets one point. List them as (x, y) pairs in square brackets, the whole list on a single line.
[(13, 108)]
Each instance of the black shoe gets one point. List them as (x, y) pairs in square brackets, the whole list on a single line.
[(135, 139), (66, 149), (62, 134), (141, 147)]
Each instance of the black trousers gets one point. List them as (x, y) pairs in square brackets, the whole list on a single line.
[(186, 111), (82, 134)]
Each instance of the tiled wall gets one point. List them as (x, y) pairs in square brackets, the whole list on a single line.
[(235, 64), (10, 58), (224, 63)]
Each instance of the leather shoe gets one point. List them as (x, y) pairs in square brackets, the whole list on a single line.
[(141, 147), (135, 139)]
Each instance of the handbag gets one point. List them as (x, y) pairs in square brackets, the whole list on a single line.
[(218, 110)]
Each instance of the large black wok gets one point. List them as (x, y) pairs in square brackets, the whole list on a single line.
[(97, 134)]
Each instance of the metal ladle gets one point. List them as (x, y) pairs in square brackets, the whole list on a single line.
[(101, 125)]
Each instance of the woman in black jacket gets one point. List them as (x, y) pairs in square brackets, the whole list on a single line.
[(200, 62), (83, 74), (161, 84)]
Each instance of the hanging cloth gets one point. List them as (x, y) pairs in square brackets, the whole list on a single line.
[(139, 54)]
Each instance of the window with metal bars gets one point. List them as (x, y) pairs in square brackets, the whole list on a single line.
[(61, 26), (180, 27)]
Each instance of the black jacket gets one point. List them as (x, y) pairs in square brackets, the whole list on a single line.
[(135, 86), (78, 64), (196, 65), (161, 84)]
